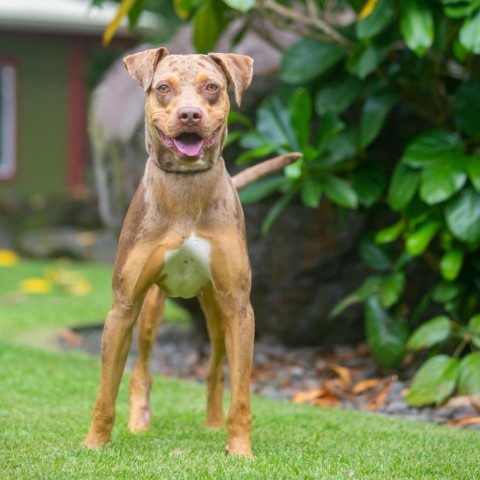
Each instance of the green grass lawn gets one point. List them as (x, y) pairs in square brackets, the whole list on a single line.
[(46, 398)]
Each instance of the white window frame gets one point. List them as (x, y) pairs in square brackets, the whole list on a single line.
[(8, 125)]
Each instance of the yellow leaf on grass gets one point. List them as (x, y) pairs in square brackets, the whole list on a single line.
[(8, 258), (62, 277), (36, 285), (80, 288), (367, 9)]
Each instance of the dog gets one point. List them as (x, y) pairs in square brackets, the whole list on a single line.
[(184, 236)]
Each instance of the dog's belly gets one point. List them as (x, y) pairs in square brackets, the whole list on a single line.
[(187, 269)]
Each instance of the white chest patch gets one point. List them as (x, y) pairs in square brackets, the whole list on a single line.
[(187, 269)]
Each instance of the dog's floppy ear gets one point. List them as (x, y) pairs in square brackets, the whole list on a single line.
[(141, 66), (238, 70)]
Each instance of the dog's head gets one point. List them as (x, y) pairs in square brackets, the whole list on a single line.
[(187, 102)]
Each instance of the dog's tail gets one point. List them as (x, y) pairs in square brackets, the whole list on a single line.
[(251, 174)]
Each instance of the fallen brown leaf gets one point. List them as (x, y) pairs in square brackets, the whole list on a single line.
[(459, 401), (458, 422), (71, 338), (342, 372), (475, 401), (378, 400), (327, 400), (367, 384), (263, 374), (305, 397)]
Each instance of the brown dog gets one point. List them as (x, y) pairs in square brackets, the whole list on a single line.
[(183, 236)]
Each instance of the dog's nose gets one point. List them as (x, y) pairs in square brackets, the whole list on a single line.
[(189, 115)]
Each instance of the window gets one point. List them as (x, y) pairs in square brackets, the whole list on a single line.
[(8, 120)]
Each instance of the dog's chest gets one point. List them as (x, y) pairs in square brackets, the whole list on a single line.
[(187, 269)]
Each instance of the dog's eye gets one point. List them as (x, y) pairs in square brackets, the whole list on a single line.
[(211, 87), (163, 88)]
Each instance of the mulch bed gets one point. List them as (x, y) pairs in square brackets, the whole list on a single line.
[(343, 377)]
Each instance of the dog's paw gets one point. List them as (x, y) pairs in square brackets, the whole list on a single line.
[(139, 420), (239, 448), (93, 443)]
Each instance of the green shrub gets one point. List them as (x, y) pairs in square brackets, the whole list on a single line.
[(365, 75), (409, 61)]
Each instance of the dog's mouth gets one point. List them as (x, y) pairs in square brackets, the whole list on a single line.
[(189, 144)]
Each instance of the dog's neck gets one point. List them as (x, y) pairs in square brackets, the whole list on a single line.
[(186, 197)]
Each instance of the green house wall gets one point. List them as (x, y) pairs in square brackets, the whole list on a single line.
[(42, 115)]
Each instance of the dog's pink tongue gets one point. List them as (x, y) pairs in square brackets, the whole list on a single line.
[(189, 144)]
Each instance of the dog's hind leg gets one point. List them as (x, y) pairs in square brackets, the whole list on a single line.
[(141, 381)]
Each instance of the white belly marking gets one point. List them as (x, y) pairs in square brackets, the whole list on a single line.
[(187, 269)]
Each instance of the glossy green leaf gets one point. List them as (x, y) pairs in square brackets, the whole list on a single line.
[(370, 286), (460, 8), (391, 289), (330, 127), (473, 169), (275, 212), (443, 179), (434, 382), (207, 27), (253, 140), (418, 240), (370, 182), (374, 113), (391, 233), (311, 192), (469, 375), (342, 144), (259, 152), (365, 59), (403, 186), (469, 35), (466, 107), (336, 94), (374, 256), (261, 189), (377, 21), (273, 123), (417, 25), (451, 263), (474, 324), (183, 8), (339, 191), (308, 59), (300, 108), (240, 5), (432, 332), (431, 147), (445, 292), (294, 170), (134, 13), (386, 335), (462, 214)]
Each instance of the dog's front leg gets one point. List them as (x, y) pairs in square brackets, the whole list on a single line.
[(116, 341), (239, 342)]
